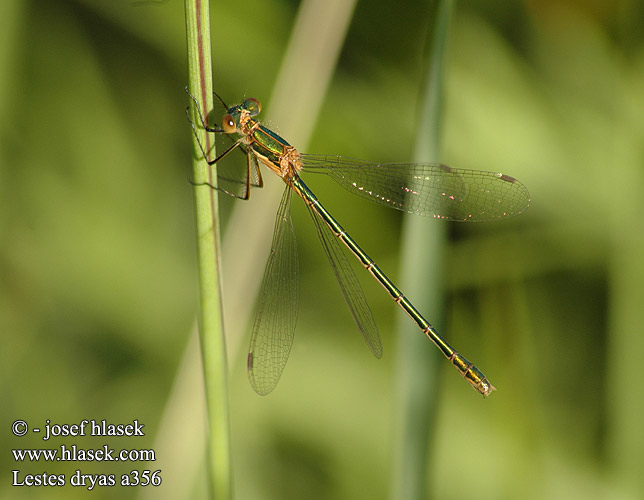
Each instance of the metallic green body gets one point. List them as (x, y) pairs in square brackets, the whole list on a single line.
[(268, 144)]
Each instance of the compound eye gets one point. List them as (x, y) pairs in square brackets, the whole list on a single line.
[(253, 106), (228, 124)]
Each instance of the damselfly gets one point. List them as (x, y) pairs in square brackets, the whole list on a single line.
[(433, 190)]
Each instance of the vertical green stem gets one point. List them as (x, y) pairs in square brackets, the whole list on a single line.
[(211, 324), (422, 245)]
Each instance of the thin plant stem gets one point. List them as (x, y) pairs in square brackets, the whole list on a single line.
[(211, 324), (422, 245)]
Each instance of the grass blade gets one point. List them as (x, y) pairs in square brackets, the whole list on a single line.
[(422, 244), (211, 329)]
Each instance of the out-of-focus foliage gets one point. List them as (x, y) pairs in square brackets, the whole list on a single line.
[(97, 280)]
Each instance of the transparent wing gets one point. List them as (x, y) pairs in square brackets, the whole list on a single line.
[(274, 327), (351, 288), (433, 190)]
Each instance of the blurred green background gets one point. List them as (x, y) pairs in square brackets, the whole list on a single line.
[(97, 257)]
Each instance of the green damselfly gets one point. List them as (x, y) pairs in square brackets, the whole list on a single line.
[(433, 190)]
